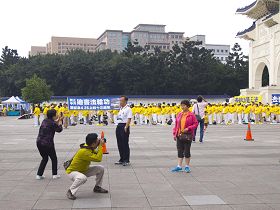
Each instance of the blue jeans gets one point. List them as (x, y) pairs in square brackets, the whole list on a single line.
[(201, 125)]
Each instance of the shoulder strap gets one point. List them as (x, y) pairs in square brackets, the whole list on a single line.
[(197, 108)]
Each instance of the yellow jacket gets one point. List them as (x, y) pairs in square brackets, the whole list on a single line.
[(83, 157)]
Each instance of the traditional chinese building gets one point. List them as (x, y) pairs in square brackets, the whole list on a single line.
[(264, 51)]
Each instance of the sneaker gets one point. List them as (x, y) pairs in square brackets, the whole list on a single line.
[(118, 163), (40, 177), (56, 176), (126, 163), (177, 169), (98, 189), (70, 195), (187, 169)]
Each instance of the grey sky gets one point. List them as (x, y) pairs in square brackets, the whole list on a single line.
[(33, 22)]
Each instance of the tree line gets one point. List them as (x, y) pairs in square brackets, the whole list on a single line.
[(185, 70)]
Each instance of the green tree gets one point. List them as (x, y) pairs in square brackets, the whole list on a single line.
[(36, 90)]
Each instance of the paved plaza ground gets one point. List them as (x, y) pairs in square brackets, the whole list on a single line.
[(227, 172)]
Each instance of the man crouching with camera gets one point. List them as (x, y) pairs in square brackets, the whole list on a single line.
[(79, 169)]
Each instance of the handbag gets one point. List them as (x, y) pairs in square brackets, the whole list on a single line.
[(185, 137), (67, 163), (198, 117)]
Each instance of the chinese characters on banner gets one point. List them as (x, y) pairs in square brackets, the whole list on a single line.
[(275, 98), (92, 103), (247, 99)]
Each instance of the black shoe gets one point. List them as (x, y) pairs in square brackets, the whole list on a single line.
[(126, 163), (118, 163), (70, 195), (98, 189)]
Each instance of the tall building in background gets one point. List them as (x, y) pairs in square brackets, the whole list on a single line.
[(220, 52), (60, 45), (37, 50), (150, 36)]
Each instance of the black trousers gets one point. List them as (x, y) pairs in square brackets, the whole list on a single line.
[(184, 149), (123, 142), (47, 152)]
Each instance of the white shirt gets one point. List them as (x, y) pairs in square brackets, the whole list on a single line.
[(124, 114), (199, 108)]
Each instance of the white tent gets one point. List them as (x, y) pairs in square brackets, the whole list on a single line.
[(20, 100), (11, 100)]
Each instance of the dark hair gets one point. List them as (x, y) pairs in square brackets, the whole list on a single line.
[(125, 98), (91, 138), (51, 113), (199, 99), (186, 102)]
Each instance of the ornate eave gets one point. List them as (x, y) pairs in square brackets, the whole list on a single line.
[(271, 20), (248, 34), (259, 9)]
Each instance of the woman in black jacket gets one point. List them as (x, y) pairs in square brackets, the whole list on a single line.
[(45, 143)]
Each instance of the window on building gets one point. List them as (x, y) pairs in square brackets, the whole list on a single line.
[(222, 58), (164, 47), (176, 36), (176, 42), (226, 51), (172, 42), (172, 36), (180, 36), (218, 50), (168, 47), (222, 51)]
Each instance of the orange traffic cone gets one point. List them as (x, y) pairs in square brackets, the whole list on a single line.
[(104, 148), (249, 134)]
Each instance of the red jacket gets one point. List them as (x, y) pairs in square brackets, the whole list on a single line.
[(191, 123)]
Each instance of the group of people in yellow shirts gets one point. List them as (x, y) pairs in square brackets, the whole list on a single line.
[(165, 114)]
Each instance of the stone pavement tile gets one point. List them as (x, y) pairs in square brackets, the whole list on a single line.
[(54, 204), (134, 208), (18, 205), (24, 194), (124, 179), (50, 195), (251, 207), (93, 202), (151, 178), (130, 202), (159, 190), (166, 201), (172, 208), (240, 199), (274, 206), (203, 200), (269, 198), (212, 207)]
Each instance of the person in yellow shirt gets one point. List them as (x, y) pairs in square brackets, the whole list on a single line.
[(219, 113), (79, 169), (257, 112), (66, 114), (247, 112), (36, 114), (240, 109), (225, 113), (232, 110), (47, 107), (209, 113), (4, 111), (85, 114)]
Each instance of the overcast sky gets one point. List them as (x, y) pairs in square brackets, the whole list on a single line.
[(33, 22)]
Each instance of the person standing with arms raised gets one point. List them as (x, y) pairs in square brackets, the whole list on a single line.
[(123, 130)]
